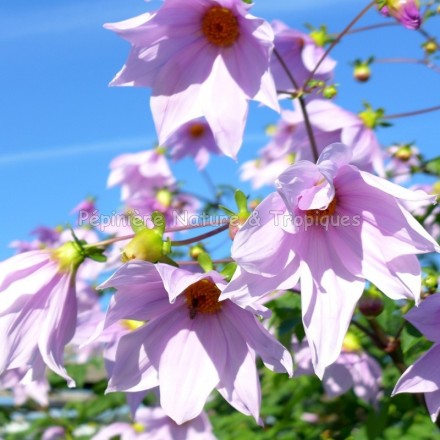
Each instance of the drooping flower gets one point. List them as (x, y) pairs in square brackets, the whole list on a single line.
[(213, 344), (353, 369), (330, 123), (403, 159), (194, 139), (38, 309), (204, 58), (23, 386), (334, 226), (151, 423), (424, 376), (300, 54), (405, 11), (140, 172)]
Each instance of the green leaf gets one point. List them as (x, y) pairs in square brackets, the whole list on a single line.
[(433, 166)]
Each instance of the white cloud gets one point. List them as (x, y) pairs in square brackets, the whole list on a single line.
[(119, 145)]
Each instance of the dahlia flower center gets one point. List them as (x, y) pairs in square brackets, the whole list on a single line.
[(202, 297), (197, 130), (318, 214), (220, 26)]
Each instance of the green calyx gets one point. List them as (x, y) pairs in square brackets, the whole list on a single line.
[(330, 91), (147, 244), (404, 153), (373, 118), (69, 256), (320, 35)]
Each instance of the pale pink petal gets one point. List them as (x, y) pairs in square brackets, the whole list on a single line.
[(426, 317), (197, 350), (329, 294), (245, 288), (273, 354), (133, 370), (227, 118), (176, 280), (422, 376), (240, 384), (58, 326), (257, 245), (433, 403)]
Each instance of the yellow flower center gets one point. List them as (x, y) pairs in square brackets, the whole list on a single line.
[(131, 324), (220, 26), (138, 427), (202, 297), (196, 130), (318, 214)]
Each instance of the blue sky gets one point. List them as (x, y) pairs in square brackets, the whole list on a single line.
[(61, 124)]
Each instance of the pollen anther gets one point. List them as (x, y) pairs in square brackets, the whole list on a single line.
[(220, 26), (202, 297)]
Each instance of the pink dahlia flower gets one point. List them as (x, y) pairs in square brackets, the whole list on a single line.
[(191, 344), (24, 386), (334, 226), (195, 139), (424, 376), (140, 172), (353, 369), (300, 54), (154, 424), (38, 309), (201, 58), (405, 11), (330, 123)]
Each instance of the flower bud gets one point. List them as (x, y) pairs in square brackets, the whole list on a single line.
[(164, 197), (329, 92), (431, 282), (362, 71), (430, 47), (196, 250), (404, 153), (146, 245), (371, 303)]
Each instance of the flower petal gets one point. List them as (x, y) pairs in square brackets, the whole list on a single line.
[(274, 355), (192, 361), (422, 376), (240, 384)]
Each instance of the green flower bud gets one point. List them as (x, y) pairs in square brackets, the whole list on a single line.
[(196, 250), (164, 197), (362, 71), (430, 47), (147, 244)]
